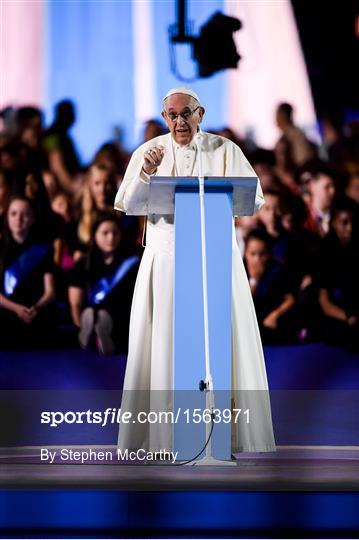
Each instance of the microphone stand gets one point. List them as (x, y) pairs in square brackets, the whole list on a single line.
[(206, 385)]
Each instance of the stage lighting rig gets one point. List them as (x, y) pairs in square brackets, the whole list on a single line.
[(213, 49)]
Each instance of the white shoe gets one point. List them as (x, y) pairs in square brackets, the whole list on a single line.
[(103, 329), (87, 326)]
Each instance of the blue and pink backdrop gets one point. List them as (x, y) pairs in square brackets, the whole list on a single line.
[(112, 58)]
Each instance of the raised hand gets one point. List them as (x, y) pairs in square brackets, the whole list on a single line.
[(152, 159)]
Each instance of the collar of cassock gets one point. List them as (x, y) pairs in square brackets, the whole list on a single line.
[(189, 146)]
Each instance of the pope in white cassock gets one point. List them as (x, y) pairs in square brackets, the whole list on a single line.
[(150, 362)]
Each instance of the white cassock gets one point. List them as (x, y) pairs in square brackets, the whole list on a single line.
[(149, 363)]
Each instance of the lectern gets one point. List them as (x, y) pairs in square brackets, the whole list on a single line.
[(224, 197)]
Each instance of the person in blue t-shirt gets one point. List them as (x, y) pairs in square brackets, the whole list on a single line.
[(101, 288), (337, 277), (27, 280), (271, 288)]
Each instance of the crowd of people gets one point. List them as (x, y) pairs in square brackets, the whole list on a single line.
[(68, 260)]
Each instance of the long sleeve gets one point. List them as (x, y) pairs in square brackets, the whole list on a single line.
[(133, 193)]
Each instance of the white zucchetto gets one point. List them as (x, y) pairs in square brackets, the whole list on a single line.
[(182, 90)]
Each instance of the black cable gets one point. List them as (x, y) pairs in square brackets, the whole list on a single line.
[(205, 446)]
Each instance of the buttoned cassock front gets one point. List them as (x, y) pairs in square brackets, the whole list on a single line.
[(149, 363)]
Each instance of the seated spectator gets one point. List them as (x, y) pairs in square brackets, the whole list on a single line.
[(337, 277), (27, 281), (302, 243), (98, 196), (300, 256), (113, 158), (322, 191), (61, 205), (269, 214), (269, 218), (49, 225), (101, 288), (271, 289)]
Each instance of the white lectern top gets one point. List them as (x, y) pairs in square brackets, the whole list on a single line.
[(162, 192)]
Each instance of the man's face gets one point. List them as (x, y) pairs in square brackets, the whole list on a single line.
[(182, 130), (322, 191)]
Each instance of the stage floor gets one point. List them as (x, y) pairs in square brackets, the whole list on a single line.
[(289, 469), (309, 487)]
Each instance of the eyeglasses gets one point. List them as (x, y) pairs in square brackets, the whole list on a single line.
[(186, 115)]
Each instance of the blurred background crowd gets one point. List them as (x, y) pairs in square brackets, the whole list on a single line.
[(68, 261)]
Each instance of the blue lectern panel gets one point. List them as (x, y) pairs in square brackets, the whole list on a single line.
[(189, 355)]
